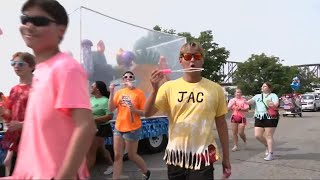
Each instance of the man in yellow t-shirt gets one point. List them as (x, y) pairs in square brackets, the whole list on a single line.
[(192, 103)]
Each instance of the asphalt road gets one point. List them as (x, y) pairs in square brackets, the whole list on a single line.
[(296, 152)]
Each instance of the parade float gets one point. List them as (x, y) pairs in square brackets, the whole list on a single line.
[(109, 47)]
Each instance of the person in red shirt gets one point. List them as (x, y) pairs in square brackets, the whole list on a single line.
[(13, 109), (3, 98)]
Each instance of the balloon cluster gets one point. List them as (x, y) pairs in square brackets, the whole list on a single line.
[(125, 58), (295, 85)]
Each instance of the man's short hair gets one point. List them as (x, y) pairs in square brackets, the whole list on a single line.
[(52, 7), (187, 46), (26, 57)]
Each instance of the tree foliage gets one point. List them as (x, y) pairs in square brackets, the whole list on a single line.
[(147, 47), (307, 79), (230, 90), (259, 69)]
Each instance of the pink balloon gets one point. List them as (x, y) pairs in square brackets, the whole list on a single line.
[(1, 32), (163, 63)]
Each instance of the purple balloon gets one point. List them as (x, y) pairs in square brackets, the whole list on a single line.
[(127, 58), (86, 43)]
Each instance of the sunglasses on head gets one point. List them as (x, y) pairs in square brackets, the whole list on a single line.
[(19, 63), (127, 77), (188, 56), (36, 20)]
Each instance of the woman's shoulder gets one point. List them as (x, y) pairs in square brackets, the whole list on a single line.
[(274, 95), (257, 95), (105, 98)]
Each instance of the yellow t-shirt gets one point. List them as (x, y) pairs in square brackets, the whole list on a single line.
[(191, 109)]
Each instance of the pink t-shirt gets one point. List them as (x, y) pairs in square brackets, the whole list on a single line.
[(235, 102), (59, 85)]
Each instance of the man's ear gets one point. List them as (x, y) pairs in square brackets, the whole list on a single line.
[(61, 30), (180, 60)]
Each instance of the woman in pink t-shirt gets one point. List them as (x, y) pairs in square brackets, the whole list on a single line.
[(238, 118)]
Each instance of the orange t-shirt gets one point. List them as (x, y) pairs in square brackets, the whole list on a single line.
[(125, 122)]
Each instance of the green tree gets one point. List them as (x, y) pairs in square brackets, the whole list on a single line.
[(150, 47), (258, 69), (215, 56), (307, 80), (230, 90)]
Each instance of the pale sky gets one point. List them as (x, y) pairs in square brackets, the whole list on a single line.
[(288, 29)]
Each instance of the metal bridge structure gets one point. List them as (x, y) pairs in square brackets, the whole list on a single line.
[(311, 69), (227, 70), (230, 67)]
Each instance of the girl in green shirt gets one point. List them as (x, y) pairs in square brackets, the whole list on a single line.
[(102, 116)]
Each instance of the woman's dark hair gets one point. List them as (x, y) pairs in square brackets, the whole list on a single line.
[(102, 87), (269, 85), (52, 7), (128, 72)]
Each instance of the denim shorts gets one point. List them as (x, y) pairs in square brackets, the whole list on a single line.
[(130, 135)]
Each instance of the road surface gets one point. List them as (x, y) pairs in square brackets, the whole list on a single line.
[(297, 154)]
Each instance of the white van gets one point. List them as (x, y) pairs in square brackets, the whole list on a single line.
[(316, 90), (310, 101)]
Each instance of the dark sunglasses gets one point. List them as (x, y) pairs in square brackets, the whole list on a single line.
[(188, 56), (127, 77), (19, 63), (36, 20)]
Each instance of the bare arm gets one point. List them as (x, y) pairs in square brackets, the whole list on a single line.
[(111, 105), (251, 101), (104, 118), (149, 108), (231, 104), (222, 129), (273, 105), (5, 113), (244, 109), (79, 144), (1, 111), (139, 112), (276, 103)]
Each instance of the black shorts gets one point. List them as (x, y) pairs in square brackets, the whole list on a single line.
[(104, 131), (265, 122), (179, 173), (13, 162)]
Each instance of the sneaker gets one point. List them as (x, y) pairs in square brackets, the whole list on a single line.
[(109, 170), (146, 176), (266, 152), (235, 148), (269, 157)]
